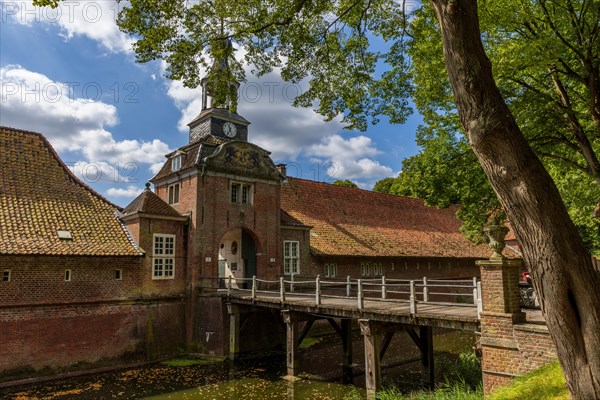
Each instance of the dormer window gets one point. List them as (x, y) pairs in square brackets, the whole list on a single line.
[(176, 162)]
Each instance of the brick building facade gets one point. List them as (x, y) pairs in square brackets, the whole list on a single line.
[(85, 281)]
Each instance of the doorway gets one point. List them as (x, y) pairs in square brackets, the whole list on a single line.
[(237, 258)]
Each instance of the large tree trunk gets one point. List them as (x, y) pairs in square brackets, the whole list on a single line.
[(563, 274)]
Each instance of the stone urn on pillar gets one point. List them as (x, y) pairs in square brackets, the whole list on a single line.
[(496, 234)]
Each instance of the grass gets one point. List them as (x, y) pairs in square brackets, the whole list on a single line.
[(546, 383), (185, 362), (455, 391)]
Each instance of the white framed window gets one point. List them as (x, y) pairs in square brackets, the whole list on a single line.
[(6, 275), (365, 269), (174, 193), (118, 274), (378, 269), (176, 163), (330, 270), (68, 275), (291, 257), (163, 256), (241, 193)]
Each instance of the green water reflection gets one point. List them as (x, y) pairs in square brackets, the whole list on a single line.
[(261, 389)]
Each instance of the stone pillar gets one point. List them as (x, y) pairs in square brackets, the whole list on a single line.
[(372, 339), (292, 342), (501, 310)]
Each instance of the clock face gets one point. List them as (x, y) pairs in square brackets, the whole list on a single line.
[(229, 129)]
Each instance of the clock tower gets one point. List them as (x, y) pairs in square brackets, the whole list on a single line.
[(218, 116)]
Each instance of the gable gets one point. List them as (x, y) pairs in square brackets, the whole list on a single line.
[(40, 196)]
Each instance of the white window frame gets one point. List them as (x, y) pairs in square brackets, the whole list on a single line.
[(365, 269), (174, 193), (163, 256), (68, 275), (8, 274), (330, 270), (243, 193), (291, 259), (176, 163)]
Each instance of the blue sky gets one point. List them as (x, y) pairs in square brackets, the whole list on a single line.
[(71, 75)]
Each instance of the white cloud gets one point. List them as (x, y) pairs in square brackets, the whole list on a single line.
[(97, 171), (95, 19), (290, 132), (129, 193), (350, 158), (33, 101)]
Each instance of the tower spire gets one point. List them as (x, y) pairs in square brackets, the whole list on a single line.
[(219, 86)]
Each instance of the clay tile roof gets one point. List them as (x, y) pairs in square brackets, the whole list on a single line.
[(39, 196), (355, 222), (149, 203), (288, 220)]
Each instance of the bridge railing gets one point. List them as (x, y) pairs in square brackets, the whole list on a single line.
[(461, 292)]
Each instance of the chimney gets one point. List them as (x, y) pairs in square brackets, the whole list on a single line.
[(282, 170)]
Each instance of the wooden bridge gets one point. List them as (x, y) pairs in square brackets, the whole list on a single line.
[(381, 306)]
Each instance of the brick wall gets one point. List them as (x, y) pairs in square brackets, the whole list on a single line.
[(47, 322), (510, 346), (143, 230), (207, 200), (60, 336), (41, 279), (397, 267)]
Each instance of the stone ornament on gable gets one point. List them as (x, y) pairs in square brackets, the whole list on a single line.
[(243, 158)]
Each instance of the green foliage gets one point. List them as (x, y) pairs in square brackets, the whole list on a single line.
[(327, 43), (546, 383), (309, 341), (384, 185), (457, 391), (462, 382), (466, 370), (345, 182), (538, 51)]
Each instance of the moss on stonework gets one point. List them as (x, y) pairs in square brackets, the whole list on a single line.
[(187, 362)]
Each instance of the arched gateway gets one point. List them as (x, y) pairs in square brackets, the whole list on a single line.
[(237, 258)]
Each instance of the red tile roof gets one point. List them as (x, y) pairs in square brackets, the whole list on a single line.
[(288, 220), (39, 195), (355, 222), (149, 203)]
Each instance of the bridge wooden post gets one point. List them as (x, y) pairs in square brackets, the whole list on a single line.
[(292, 342), (426, 336), (372, 340), (347, 371), (234, 331)]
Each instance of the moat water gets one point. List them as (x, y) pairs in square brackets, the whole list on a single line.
[(320, 366)]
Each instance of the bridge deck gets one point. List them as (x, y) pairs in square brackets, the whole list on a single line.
[(453, 316)]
